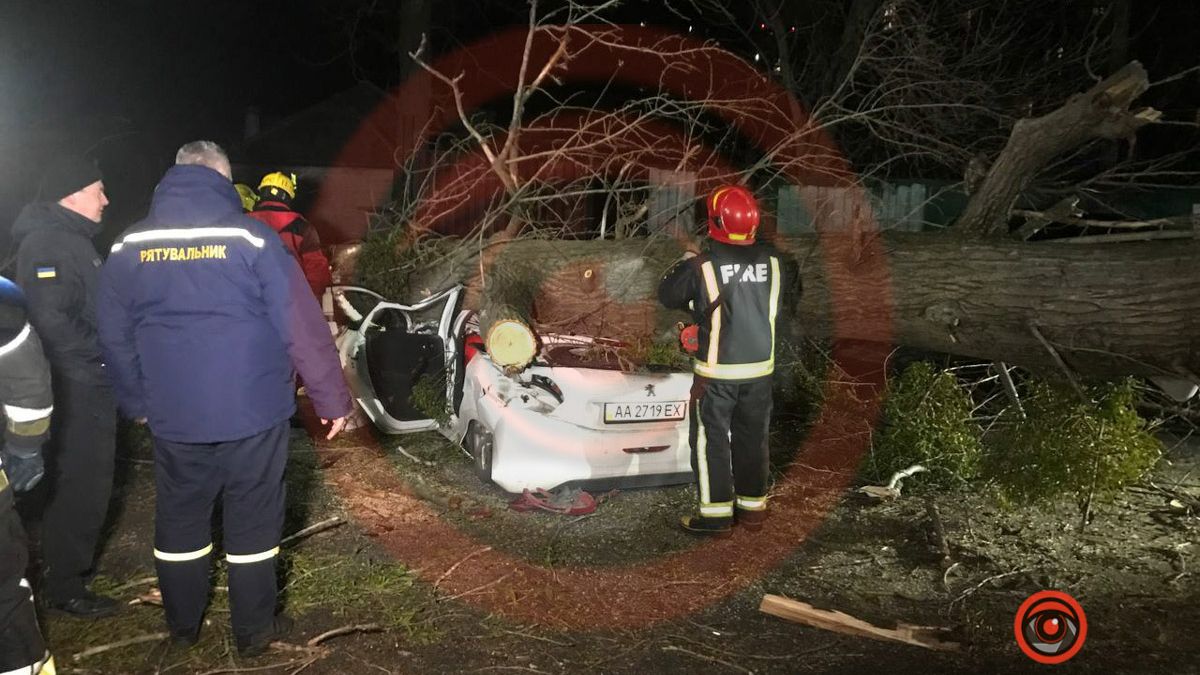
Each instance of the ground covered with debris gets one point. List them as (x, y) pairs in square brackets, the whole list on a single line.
[(366, 603)]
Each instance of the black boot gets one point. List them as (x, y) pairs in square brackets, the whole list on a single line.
[(86, 606), (751, 520), (258, 644), (706, 527)]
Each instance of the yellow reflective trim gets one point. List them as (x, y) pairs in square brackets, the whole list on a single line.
[(714, 331), (183, 557), (717, 510), (701, 454), (3, 481), (735, 371), (774, 303), (752, 503), (736, 237), (252, 557), (188, 235)]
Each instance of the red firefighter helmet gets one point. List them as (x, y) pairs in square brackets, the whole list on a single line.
[(733, 215)]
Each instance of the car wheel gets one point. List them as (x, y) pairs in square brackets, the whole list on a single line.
[(481, 450)]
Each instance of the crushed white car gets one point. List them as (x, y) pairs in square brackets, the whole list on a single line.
[(567, 419)]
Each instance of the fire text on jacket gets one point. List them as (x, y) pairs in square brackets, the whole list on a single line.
[(755, 273)]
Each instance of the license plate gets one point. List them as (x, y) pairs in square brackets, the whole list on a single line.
[(658, 411)]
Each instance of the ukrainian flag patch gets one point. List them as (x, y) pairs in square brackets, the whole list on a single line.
[(47, 273)]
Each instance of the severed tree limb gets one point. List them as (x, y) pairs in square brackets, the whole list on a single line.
[(839, 622), (705, 657), (1100, 112), (1176, 222), (1057, 359), (996, 577), (100, 649), (344, 630), (453, 567), (452, 82), (1009, 387), (326, 524), (1126, 237)]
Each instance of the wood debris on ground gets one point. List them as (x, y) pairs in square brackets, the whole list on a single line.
[(838, 622)]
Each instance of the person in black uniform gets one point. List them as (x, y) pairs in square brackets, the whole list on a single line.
[(57, 267), (733, 291), (25, 394)]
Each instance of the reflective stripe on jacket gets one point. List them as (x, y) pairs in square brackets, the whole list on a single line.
[(203, 315), (745, 283)]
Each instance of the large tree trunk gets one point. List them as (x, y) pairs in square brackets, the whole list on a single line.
[(1098, 310), (1105, 309)]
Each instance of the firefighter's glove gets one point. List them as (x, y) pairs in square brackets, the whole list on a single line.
[(23, 466)]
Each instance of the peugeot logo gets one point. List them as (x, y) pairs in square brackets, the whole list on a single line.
[(650, 390)]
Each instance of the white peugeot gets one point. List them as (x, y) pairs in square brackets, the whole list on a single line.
[(569, 418)]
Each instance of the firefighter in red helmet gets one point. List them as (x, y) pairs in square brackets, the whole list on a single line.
[(733, 289)]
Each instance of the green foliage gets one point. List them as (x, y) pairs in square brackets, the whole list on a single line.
[(379, 266), (926, 421), (1069, 446), (800, 380), (429, 397), (657, 355), (359, 589)]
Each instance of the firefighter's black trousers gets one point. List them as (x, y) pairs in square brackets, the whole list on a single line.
[(728, 436), (80, 460), (248, 475), (20, 641)]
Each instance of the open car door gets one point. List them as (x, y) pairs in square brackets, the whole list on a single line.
[(391, 350)]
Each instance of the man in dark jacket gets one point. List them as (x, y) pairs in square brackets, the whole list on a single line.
[(203, 315), (733, 291), (25, 394), (57, 267)]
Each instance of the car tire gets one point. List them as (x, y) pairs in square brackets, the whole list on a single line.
[(482, 442)]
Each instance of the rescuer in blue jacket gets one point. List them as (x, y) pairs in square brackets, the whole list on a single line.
[(203, 316)]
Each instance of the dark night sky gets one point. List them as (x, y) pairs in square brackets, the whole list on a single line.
[(129, 80)]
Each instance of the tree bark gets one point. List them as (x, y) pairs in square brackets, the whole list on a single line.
[(1107, 310), (1101, 112)]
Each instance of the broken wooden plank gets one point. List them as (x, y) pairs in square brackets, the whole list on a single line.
[(839, 622)]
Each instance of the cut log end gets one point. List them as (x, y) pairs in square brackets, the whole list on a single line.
[(511, 344)]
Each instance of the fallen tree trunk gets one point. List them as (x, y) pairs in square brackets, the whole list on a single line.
[(1095, 310), (1105, 310)]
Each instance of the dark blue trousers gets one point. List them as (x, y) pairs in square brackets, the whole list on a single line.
[(248, 476)]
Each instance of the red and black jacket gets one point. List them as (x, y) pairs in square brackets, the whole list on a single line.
[(301, 240)]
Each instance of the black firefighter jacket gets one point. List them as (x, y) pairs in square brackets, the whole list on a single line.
[(735, 294), (57, 268)]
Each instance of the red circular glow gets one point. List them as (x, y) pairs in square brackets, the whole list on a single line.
[(676, 584)]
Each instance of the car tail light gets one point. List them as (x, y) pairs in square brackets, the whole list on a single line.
[(645, 449)]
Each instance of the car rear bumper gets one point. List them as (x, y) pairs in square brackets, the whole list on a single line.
[(532, 450)]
